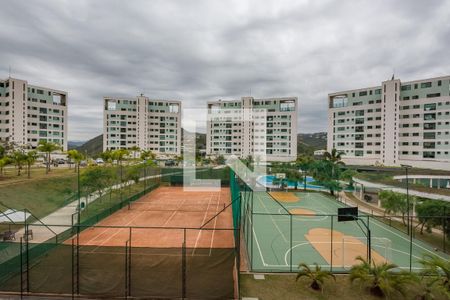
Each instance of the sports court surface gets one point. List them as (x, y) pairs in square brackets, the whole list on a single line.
[(278, 242), (168, 207), (167, 244)]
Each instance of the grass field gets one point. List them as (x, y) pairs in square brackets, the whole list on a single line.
[(285, 287), (42, 194), (274, 247)]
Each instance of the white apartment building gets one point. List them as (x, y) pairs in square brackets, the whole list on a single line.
[(29, 114), (146, 123), (393, 124), (229, 133)]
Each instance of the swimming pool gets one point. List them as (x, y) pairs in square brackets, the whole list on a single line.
[(267, 181)]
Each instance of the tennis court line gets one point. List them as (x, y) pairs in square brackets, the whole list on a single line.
[(204, 218), (215, 223)]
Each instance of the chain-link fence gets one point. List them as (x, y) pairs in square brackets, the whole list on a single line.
[(279, 235)]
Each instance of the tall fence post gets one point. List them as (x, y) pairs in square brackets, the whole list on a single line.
[(78, 260), (129, 264), (27, 249), (73, 266), (252, 233), (21, 268), (183, 266), (331, 246), (290, 244), (126, 270)]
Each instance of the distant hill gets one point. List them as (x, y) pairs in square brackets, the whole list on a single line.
[(74, 144), (307, 143), (93, 147)]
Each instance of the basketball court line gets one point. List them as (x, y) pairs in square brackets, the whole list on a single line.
[(383, 226), (273, 221)]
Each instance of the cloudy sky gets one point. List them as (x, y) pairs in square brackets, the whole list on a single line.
[(206, 50)]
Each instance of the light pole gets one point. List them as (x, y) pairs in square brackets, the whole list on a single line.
[(407, 167)]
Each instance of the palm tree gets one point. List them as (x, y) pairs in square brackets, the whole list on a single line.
[(380, 277), (439, 269), (18, 158), (30, 159), (334, 156), (317, 276), (47, 148), (134, 150), (147, 154)]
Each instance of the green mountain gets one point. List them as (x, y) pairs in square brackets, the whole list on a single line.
[(307, 143), (93, 147)]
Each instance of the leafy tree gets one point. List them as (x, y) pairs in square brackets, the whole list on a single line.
[(317, 276), (305, 163), (18, 158), (97, 179), (439, 270), (47, 148), (106, 156), (394, 203), (120, 155), (2, 152), (4, 161), (324, 172), (381, 279), (348, 176), (220, 160), (30, 159), (430, 213), (294, 176)]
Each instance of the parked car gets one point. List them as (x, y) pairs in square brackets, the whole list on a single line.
[(169, 163), (99, 161), (83, 163)]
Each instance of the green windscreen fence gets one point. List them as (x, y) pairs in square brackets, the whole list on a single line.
[(174, 176), (71, 268), (65, 266)]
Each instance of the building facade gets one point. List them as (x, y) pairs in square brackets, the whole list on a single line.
[(29, 114), (393, 124), (245, 135), (146, 123)]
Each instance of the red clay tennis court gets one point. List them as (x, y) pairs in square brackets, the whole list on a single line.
[(167, 210)]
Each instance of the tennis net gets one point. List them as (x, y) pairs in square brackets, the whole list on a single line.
[(185, 207)]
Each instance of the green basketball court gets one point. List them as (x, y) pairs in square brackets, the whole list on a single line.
[(279, 236)]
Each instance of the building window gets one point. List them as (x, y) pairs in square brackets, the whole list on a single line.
[(424, 85)]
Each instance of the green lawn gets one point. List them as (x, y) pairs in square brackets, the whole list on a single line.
[(285, 287), (41, 195)]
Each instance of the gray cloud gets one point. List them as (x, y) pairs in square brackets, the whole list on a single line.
[(205, 50)]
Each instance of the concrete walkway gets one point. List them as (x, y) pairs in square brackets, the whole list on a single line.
[(401, 190)]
